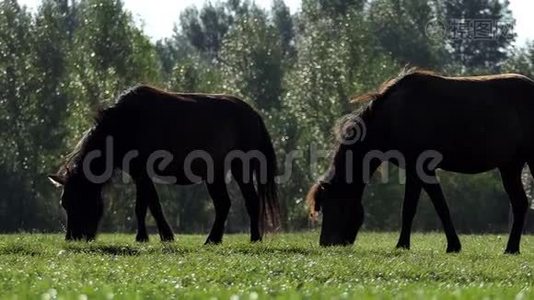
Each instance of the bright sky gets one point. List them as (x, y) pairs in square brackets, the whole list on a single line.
[(523, 11), (159, 16)]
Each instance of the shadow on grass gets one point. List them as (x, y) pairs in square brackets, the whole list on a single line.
[(125, 250), (265, 250), (294, 250), (22, 250), (121, 250)]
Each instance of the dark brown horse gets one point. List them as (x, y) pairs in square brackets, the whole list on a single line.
[(422, 122), (175, 138)]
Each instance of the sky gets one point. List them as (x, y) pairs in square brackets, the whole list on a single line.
[(159, 16)]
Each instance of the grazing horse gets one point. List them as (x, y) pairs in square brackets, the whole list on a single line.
[(176, 138), (421, 122)]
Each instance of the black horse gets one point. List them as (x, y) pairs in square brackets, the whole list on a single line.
[(176, 138), (422, 122)]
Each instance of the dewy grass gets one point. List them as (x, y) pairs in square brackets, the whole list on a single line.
[(284, 266)]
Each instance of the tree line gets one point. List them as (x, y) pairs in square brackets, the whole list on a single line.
[(61, 63)]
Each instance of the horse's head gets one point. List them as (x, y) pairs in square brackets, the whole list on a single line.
[(82, 201), (342, 211)]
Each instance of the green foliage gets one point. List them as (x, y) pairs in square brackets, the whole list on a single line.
[(289, 266), (332, 8), (109, 55), (194, 74), (521, 60), (205, 30), (251, 60), (337, 59), (284, 24), (33, 102), (401, 29), (59, 65), (467, 51)]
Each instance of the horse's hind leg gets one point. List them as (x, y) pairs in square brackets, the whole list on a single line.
[(412, 193), (221, 202), (147, 195), (511, 178), (252, 202), (437, 197), (141, 206)]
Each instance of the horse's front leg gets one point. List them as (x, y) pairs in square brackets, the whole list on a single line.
[(147, 196), (141, 206), (434, 191), (412, 193)]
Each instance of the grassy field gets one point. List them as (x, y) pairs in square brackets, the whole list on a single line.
[(285, 266)]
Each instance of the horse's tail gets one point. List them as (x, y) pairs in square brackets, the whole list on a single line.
[(267, 189)]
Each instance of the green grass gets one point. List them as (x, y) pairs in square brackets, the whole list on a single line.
[(285, 266)]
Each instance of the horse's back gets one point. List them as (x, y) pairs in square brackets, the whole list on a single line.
[(480, 122), (192, 118), (189, 124)]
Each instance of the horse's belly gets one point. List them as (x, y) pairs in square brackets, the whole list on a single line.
[(470, 160), (459, 155), (467, 168), (464, 147), (173, 168), (458, 125)]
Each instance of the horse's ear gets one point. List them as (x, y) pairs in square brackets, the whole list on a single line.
[(313, 200), (56, 180)]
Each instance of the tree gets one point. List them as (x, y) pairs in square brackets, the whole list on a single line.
[(338, 57), (521, 60), (251, 59), (205, 30), (284, 24), (168, 55), (401, 29), (33, 108), (70, 57), (110, 54), (333, 8), (16, 115), (53, 30), (465, 19)]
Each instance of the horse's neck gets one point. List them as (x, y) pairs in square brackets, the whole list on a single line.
[(344, 176), (348, 163), (98, 157)]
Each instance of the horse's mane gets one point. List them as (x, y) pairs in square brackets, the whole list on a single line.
[(73, 161), (406, 73), (388, 85), (73, 158), (101, 122)]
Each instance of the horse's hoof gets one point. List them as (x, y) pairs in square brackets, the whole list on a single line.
[(213, 241), (512, 251), (255, 239), (141, 238), (167, 238), (454, 249), (403, 246)]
